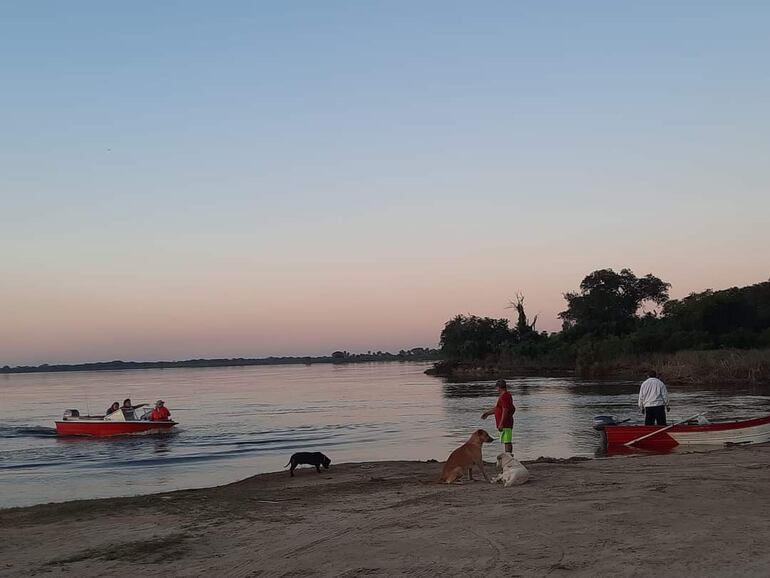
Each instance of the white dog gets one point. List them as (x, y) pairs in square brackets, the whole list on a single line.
[(513, 473)]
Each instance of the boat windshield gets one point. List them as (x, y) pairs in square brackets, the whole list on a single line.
[(136, 413)]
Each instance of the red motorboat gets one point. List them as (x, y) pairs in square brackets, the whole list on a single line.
[(663, 438), (119, 423)]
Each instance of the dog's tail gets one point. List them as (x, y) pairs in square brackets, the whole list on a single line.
[(287, 465)]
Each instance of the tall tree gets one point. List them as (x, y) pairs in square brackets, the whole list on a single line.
[(608, 303), (523, 327)]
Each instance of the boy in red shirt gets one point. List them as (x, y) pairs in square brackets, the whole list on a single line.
[(503, 410)]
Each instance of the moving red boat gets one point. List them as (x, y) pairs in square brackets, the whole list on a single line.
[(118, 423), (750, 431)]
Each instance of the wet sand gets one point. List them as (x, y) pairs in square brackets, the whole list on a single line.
[(668, 515)]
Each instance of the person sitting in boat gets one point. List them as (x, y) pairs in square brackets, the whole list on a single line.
[(128, 409), (127, 405), (160, 413), (114, 407)]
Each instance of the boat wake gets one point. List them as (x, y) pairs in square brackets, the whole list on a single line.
[(27, 432)]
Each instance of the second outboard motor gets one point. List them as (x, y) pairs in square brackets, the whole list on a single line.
[(602, 421)]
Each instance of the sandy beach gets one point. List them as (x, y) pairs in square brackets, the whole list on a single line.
[(665, 515)]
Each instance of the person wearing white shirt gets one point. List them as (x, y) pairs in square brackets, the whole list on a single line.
[(653, 400)]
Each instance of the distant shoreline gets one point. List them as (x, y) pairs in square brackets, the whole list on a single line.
[(338, 357)]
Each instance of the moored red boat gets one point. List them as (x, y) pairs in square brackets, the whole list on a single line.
[(750, 431), (118, 423)]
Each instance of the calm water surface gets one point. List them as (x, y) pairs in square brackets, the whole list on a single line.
[(239, 421)]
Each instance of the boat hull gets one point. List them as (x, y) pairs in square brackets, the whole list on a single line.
[(103, 428), (737, 432)]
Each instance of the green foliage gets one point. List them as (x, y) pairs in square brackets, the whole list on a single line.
[(725, 315), (538, 349), (468, 337), (608, 302), (604, 321)]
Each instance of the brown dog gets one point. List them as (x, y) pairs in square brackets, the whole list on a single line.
[(465, 457)]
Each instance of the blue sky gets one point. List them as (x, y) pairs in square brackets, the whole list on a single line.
[(244, 178)]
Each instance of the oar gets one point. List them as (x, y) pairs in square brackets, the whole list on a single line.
[(656, 432)]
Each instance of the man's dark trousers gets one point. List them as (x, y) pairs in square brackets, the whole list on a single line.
[(655, 415)]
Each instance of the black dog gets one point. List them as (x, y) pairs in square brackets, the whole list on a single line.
[(316, 459)]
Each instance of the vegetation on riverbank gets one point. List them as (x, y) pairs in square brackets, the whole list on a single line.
[(712, 367), (620, 325), (415, 354)]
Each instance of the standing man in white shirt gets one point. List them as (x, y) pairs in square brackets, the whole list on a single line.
[(653, 400)]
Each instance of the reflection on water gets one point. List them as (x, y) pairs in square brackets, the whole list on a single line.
[(467, 390), (235, 422)]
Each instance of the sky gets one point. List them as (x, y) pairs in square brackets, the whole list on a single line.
[(224, 179)]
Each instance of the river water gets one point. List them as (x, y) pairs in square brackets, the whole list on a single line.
[(239, 421)]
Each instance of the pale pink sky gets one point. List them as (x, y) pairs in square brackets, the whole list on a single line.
[(291, 179), (314, 308)]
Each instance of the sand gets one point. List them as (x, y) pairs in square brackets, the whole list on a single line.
[(693, 514)]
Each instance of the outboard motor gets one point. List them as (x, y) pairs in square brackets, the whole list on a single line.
[(602, 421), (69, 413)]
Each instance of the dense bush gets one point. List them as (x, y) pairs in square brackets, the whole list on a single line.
[(468, 337)]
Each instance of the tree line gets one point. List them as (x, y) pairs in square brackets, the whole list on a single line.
[(614, 314), (415, 354)]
